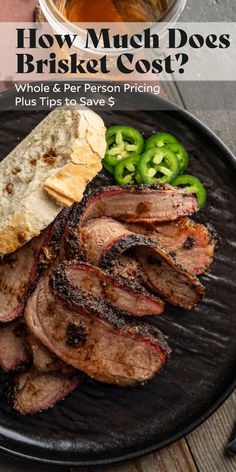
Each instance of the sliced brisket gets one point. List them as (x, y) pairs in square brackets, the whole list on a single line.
[(94, 339), (130, 298), (169, 280), (14, 353), (18, 272), (192, 245), (36, 391), (105, 239), (21, 269), (138, 204)]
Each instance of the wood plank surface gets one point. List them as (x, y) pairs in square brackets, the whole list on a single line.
[(175, 458), (207, 443), (17, 10), (11, 464)]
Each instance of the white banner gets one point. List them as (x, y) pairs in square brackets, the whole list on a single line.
[(118, 51)]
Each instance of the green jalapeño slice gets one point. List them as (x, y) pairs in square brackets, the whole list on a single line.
[(182, 155), (159, 165), (122, 141), (159, 140), (191, 185), (107, 166), (125, 171)]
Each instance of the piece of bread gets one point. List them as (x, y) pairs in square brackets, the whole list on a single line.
[(68, 184), (50, 168)]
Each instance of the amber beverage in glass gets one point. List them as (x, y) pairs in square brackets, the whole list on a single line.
[(115, 10)]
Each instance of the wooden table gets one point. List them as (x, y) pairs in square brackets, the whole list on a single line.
[(204, 449)]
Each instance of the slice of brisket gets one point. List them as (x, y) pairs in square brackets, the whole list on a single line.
[(21, 269), (94, 339), (36, 391), (14, 352), (138, 204), (130, 298), (192, 245), (18, 272), (169, 280)]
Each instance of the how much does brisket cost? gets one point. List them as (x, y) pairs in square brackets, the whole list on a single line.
[(76, 311)]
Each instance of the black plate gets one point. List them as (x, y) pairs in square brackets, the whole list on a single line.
[(101, 424)]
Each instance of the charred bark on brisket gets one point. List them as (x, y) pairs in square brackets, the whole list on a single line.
[(53, 243), (128, 297)]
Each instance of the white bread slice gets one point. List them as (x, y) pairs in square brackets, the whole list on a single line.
[(57, 159)]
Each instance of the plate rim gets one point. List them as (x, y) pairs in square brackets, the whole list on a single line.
[(168, 106)]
